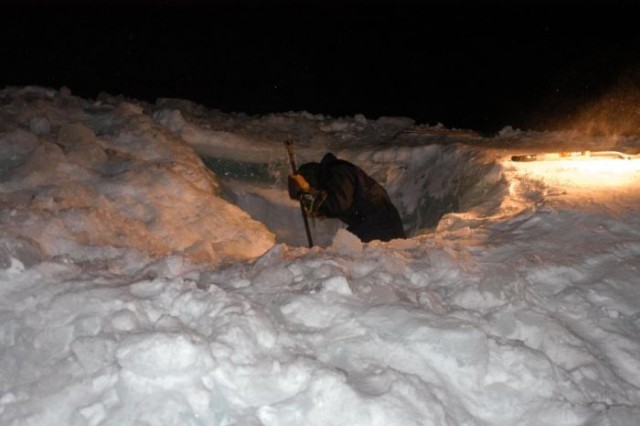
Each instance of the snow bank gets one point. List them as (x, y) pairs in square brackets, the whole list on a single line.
[(448, 329), (518, 308), (96, 180)]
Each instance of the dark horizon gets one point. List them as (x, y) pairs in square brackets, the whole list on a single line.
[(478, 67)]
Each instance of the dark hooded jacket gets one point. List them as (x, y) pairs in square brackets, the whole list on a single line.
[(356, 199)]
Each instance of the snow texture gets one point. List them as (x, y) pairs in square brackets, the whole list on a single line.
[(153, 271)]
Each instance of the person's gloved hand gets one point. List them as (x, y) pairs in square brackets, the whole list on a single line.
[(311, 202), (298, 186)]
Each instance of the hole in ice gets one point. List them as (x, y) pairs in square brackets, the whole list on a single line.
[(425, 183)]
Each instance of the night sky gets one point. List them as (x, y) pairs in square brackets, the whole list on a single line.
[(477, 65)]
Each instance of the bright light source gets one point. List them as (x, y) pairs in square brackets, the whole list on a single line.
[(583, 169), (573, 155)]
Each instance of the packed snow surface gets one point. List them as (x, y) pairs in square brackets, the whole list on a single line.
[(153, 271)]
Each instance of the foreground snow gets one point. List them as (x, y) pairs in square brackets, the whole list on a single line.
[(518, 307)]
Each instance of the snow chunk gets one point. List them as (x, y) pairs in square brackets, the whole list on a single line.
[(163, 354), (338, 285), (346, 243), (93, 353), (19, 251)]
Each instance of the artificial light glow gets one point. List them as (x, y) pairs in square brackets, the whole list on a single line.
[(573, 155), (581, 170)]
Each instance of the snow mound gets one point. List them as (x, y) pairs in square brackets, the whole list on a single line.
[(97, 180)]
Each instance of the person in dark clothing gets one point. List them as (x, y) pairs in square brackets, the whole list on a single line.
[(336, 188)]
